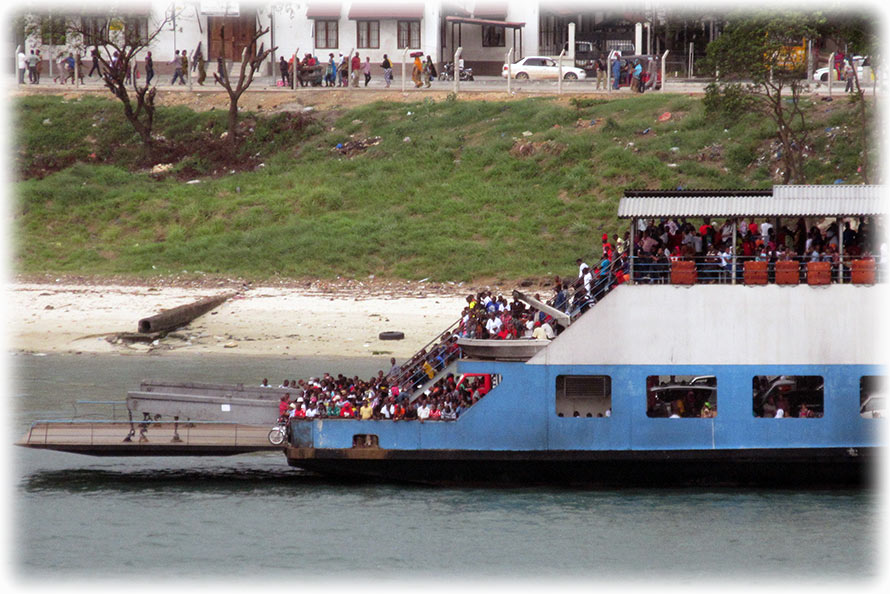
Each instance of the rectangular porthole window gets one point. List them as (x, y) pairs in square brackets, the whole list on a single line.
[(872, 397), (681, 396), (783, 396), (583, 396)]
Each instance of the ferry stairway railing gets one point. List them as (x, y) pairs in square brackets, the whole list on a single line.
[(414, 374), (603, 283), (431, 381)]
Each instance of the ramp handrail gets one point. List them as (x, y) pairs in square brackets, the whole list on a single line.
[(415, 364)]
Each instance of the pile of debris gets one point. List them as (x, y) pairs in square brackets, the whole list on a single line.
[(351, 148), (522, 148)]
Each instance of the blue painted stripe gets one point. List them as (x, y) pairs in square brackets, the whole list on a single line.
[(520, 414)]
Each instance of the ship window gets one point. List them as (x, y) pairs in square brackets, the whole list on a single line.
[(872, 396), (585, 396), (686, 396), (365, 441), (801, 396)]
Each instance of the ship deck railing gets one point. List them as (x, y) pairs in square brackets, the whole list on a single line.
[(753, 270), (104, 432)]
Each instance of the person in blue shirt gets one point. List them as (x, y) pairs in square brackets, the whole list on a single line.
[(616, 72), (637, 83)]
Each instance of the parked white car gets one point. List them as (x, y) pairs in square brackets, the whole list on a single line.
[(543, 68), (821, 74)]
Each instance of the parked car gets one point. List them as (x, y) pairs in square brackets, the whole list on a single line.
[(543, 68), (821, 74)]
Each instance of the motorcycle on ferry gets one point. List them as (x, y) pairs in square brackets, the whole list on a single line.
[(466, 74), (278, 434)]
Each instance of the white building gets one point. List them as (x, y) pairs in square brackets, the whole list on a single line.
[(485, 29)]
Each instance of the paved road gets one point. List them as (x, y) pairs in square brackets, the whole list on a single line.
[(493, 84)]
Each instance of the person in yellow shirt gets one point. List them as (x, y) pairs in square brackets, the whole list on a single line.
[(415, 74), (366, 411)]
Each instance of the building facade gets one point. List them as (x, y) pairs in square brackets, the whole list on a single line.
[(486, 30)]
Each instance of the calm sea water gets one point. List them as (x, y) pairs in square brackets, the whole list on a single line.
[(253, 516)]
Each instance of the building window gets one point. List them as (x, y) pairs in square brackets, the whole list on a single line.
[(872, 397), (368, 34), (136, 30), (681, 396), (95, 30), (493, 36), (53, 30), (585, 396), (781, 396), (327, 34), (409, 34)]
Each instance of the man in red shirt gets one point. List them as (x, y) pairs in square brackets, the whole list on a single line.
[(356, 66)]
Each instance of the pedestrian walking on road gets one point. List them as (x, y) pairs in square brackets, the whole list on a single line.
[(149, 69), (177, 72), (366, 69), (387, 70)]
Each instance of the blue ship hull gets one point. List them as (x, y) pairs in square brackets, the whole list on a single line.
[(518, 433)]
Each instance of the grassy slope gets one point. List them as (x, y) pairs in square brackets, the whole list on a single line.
[(453, 203)]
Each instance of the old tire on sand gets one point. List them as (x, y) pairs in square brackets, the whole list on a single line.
[(391, 335)]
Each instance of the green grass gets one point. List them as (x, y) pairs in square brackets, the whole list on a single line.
[(451, 203)]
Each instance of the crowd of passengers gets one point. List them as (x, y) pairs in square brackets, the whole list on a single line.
[(711, 247), (377, 398), (487, 316)]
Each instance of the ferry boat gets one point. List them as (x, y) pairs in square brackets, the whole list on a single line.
[(592, 406), (674, 372)]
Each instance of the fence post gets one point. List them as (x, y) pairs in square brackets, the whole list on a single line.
[(457, 69), (559, 82), (404, 60), (349, 69), (293, 76), (609, 72), (664, 69), (831, 72), (509, 60)]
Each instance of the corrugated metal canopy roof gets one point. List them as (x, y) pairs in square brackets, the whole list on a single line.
[(782, 201)]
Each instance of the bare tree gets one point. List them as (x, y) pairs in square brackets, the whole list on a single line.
[(249, 66), (117, 42)]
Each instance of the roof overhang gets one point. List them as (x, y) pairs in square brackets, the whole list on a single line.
[(386, 10), (781, 201), (323, 10), (491, 22)]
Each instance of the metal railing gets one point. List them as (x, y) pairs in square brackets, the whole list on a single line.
[(716, 269), (412, 371), (106, 432)]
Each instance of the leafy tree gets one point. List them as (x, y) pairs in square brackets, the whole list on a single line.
[(760, 53), (249, 66)]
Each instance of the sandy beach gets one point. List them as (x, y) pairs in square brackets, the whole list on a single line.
[(344, 318)]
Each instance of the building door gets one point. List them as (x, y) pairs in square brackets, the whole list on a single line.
[(228, 36)]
